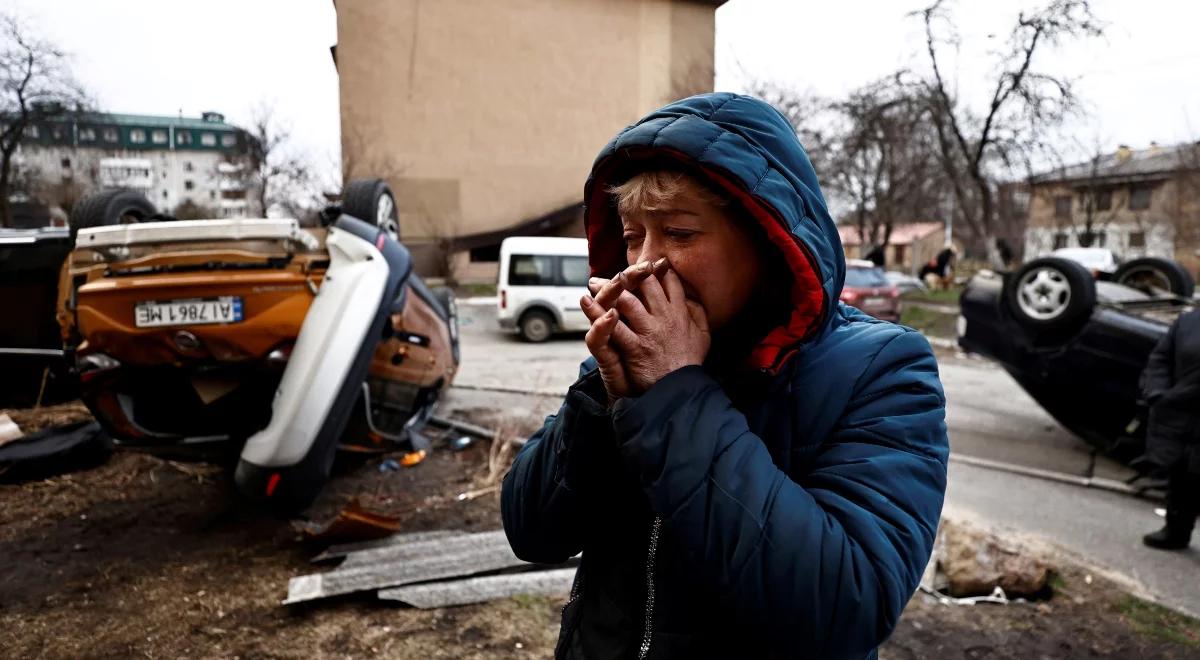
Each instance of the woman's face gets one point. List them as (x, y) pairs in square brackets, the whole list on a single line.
[(714, 256)]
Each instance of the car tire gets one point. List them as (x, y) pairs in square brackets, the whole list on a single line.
[(110, 207), (536, 326), (446, 297), (371, 200), (1150, 273), (1050, 296)]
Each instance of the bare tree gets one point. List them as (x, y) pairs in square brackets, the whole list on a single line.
[(35, 81), (875, 151), (1097, 202), (978, 149), (884, 158), (272, 171)]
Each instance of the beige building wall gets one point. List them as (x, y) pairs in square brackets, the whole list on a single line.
[(1169, 227), (485, 114)]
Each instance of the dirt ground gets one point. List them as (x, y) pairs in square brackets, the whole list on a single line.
[(143, 557)]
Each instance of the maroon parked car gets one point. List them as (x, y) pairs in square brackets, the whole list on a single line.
[(868, 289)]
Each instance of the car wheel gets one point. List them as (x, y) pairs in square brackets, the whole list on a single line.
[(110, 207), (371, 200), (536, 326), (1051, 295), (446, 297), (1154, 275)]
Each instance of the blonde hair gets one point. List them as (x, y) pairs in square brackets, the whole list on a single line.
[(656, 189)]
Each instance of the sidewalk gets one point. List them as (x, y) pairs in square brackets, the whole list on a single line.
[(1103, 528)]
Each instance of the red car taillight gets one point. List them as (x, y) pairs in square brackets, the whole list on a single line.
[(95, 365), (503, 299)]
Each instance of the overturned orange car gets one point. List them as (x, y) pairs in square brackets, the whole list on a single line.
[(255, 336)]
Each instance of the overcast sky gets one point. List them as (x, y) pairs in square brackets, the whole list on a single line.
[(158, 57)]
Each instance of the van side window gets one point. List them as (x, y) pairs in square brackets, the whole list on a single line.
[(531, 270), (575, 271)]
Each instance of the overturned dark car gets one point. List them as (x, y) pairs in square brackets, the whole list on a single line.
[(1078, 342)]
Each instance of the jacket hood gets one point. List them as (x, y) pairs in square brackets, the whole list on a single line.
[(744, 147)]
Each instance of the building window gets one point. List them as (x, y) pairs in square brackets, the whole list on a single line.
[(87, 134), (1060, 240), (1095, 239), (66, 163), (159, 136), (183, 137), (1139, 198), (486, 254), (1062, 206), (110, 135), (212, 194), (208, 139), (188, 185), (137, 136), (164, 194), (58, 132), (1103, 200), (187, 166), (1137, 239), (228, 140), (31, 132)]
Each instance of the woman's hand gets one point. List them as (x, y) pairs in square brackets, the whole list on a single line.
[(602, 312), (658, 331)]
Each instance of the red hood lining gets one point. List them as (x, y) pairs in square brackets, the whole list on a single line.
[(607, 254)]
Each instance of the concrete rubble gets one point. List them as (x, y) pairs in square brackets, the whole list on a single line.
[(973, 563), (430, 569)]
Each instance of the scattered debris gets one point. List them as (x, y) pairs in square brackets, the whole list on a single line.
[(472, 494), (462, 427), (413, 458), (416, 568), (420, 561), (54, 451), (353, 522), (389, 465), (341, 550), (997, 596), (31, 420), (462, 442), (482, 589), (9, 430), (976, 564)]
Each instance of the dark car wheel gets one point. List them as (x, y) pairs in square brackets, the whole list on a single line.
[(371, 200), (536, 326), (1151, 274), (1051, 296), (110, 207)]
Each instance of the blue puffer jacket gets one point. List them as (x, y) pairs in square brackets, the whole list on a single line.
[(786, 510)]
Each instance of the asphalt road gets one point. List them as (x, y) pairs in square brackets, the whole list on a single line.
[(988, 416)]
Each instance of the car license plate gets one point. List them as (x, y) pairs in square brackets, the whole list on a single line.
[(154, 314), (874, 302)]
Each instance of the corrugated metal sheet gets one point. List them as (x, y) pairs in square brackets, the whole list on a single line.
[(482, 589), (421, 561)]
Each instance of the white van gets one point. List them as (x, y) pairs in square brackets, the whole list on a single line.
[(541, 281)]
